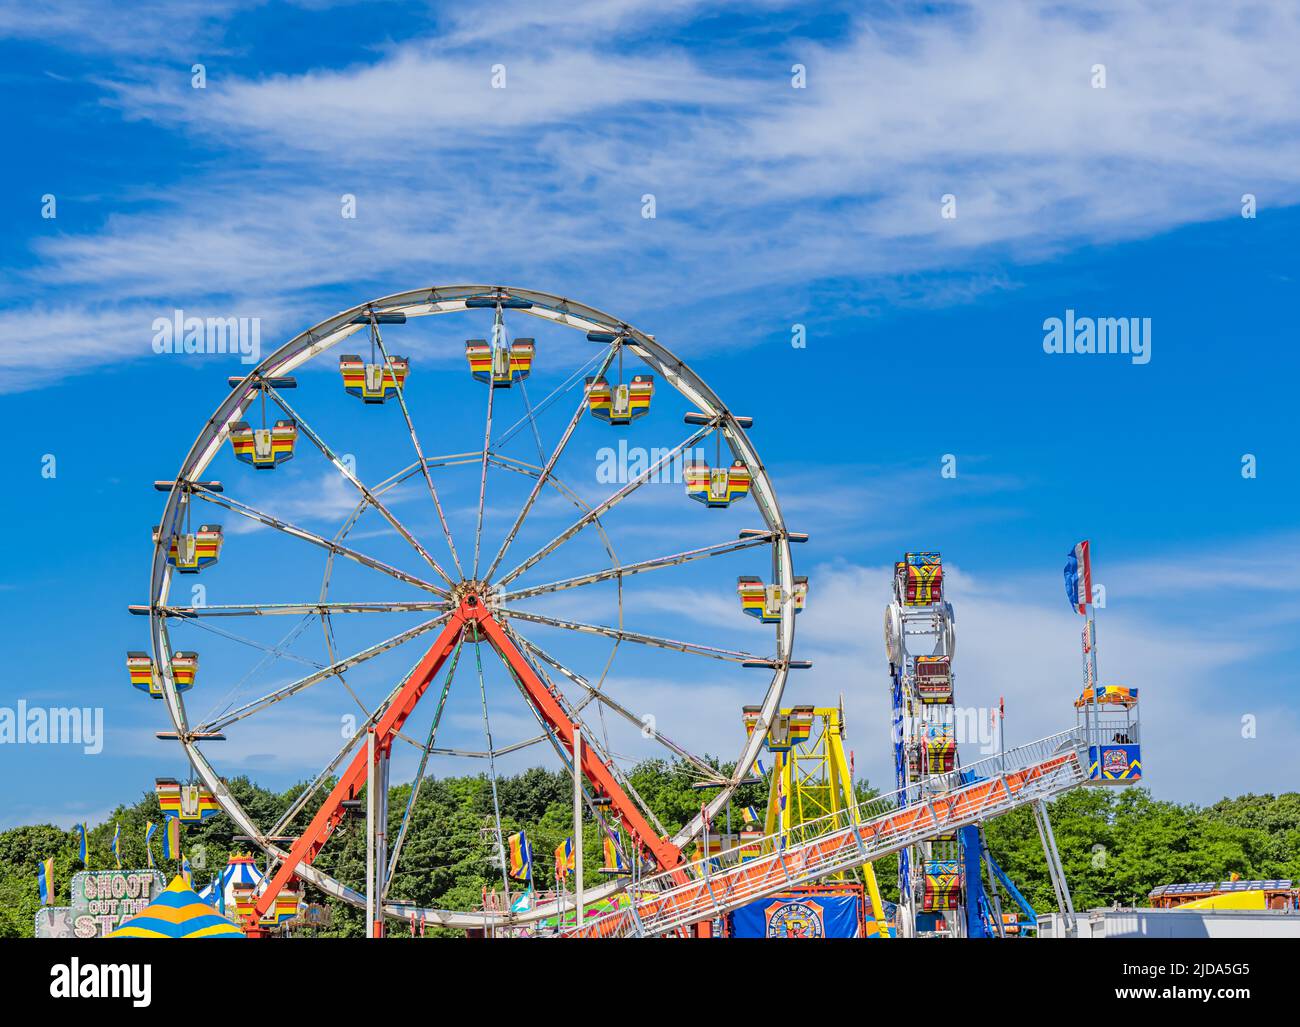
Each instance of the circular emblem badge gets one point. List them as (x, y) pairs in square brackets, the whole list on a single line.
[(794, 920)]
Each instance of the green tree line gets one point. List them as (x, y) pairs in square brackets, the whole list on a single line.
[(1116, 844)]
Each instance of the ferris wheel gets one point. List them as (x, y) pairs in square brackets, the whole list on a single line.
[(444, 567)]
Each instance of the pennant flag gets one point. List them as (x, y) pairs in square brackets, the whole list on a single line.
[(45, 881), (565, 859), (117, 844), (521, 857), (83, 852), (150, 830), (1078, 577), (613, 854), (172, 838), (750, 813), (524, 903), (187, 872)]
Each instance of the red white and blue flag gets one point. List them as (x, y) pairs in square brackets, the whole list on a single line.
[(1078, 577)]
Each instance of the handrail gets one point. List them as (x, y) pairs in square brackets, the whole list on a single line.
[(853, 836)]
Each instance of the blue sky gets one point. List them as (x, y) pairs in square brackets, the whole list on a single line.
[(775, 206)]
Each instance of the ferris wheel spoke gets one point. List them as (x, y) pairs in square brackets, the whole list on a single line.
[(497, 332), (418, 781), (333, 669), (348, 745), (300, 803), (374, 500), (282, 609), (547, 469), (606, 699), (574, 713), (690, 648), (553, 396), (419, 450), (252, 513), (482, 754), (608, 504), (628, 569)]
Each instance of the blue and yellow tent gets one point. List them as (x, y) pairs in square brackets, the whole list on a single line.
[(177, 913)]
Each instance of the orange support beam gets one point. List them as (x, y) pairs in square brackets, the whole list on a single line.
[(349, 785), (665, 853), (331, 813)]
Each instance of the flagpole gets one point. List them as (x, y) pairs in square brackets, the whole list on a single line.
[(577, 826)]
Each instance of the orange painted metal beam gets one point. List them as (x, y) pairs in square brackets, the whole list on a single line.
[(661, 850), (768, 875), (349, 785), (471, 612)]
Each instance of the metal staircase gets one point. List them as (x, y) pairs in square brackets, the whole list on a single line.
[(851, 837)]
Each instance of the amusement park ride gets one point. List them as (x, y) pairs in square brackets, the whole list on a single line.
[(815, 833)]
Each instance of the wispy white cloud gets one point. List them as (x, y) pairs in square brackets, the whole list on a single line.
[(758, 185)]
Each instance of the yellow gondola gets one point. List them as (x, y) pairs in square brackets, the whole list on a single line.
[(620, 404), (187, 803), (190, 552), (764, 601), (140, 666), (263, 448), (284, 908), (502, 365), (372, 383), (716, 487)]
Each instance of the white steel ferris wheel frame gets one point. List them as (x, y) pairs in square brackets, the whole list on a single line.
[(422, 303)]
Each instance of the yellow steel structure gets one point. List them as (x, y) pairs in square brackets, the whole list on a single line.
[(810, 779)]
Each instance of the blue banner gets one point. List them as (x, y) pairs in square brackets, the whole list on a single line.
[(797, 915)]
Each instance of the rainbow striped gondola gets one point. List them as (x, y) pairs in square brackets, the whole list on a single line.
[(190, 552), (263, 448), (801, 723), (185, 665), (502, 366), (716, 487), (372, 383), (764, 601), (140, 666), (284, 908), (620, 404), (187, 803), (178, 912)]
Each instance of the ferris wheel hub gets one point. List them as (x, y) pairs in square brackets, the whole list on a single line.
[(473, 593)]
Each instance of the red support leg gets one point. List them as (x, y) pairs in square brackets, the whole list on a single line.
[(664, 852), (331, 813), (667, 855)]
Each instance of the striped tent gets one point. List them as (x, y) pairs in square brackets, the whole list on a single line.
[(177, 913), (240, 872)]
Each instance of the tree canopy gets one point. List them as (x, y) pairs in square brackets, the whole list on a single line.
[(1116, 844)]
